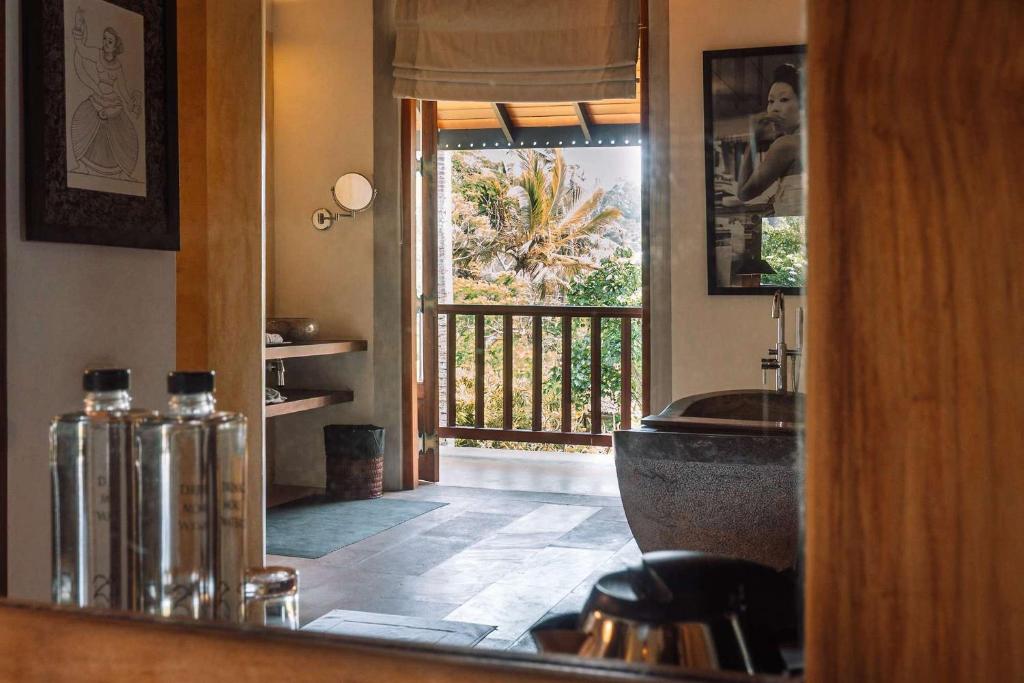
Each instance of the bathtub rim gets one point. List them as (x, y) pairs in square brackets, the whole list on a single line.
[(717, 425)]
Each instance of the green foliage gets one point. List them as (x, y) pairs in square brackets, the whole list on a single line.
[(535, 223), (506, 288), (530, 237), (784, 247), (615, 283)]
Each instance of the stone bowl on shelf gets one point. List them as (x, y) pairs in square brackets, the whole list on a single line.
[(294, 329)]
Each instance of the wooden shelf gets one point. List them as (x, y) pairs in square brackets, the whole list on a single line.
[(315, 348), (300, 400)]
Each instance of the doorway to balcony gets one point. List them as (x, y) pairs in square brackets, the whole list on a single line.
[(533, 280)]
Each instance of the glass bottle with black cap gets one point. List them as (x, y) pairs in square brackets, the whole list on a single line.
[(90, 455), (191, 480)]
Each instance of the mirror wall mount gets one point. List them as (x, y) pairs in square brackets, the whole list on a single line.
[(353, 193)]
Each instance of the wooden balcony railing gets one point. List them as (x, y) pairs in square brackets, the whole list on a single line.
[(537, 434)]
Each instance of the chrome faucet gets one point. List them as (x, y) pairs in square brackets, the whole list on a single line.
[(276, 366), (779, 358)]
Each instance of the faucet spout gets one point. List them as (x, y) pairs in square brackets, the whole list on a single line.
[(781, 359), (781, 352)]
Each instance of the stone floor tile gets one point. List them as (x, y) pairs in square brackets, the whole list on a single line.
[(524, 644), (498, 558), (550, 518), (471, 525), (556, 570), (414, 556), (610, 514), (394, 605), (360, 624), (531, 540), (599, 534), (510, 611), (480, 563)]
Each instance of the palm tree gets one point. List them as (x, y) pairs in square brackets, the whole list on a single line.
[(535, 223)]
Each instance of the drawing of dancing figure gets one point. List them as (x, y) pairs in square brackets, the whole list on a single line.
[(104, 140)]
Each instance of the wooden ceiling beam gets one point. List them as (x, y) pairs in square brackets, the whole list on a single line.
[(504, 120), (584, 118)]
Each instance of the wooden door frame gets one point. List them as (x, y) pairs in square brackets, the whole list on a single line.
[(427, 401), (645, 208), (430, 454), (409, 418), (420, 457), (3, 310)]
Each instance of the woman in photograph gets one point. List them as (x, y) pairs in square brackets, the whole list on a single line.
[(777, 131), (103, 137)]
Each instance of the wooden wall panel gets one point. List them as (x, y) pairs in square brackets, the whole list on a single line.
[(915, 480), (192, 317), (3, 311), (268, 168), (220, 268), (55, 645), (235, 39)]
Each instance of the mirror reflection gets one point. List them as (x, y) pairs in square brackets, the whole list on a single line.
[(353, 192), (469, 434)]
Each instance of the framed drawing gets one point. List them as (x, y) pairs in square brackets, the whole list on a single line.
[(101, 142), (754, 171)]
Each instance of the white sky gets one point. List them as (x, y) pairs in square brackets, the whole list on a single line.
[(602, 166)]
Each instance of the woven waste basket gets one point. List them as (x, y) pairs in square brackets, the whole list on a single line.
[(355, 461)]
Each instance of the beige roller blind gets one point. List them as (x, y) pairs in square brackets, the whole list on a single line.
[(516, 50)]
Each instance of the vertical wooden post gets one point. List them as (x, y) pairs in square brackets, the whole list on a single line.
[(626, 374), (192, 286), (595, 375), (479, 358), (506, 372), (3, 313), (914, 476), (538, 373), (220, 319), (452, 367), (566, 373)]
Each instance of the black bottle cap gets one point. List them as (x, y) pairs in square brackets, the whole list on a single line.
[(108, 379), (190, 382)]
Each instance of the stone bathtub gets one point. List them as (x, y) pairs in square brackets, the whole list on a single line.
[(716, 472)]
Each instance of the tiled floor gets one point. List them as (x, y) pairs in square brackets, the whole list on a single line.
[(496, 556), (506, 470)]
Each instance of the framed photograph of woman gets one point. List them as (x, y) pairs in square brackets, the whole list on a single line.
[(753, 141), (101, 162)]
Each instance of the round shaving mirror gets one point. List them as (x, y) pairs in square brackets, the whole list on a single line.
[(353, 192)]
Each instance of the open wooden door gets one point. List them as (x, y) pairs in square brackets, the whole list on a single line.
[(429, 456)]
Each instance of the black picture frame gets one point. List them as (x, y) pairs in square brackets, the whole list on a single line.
[(56, 212), (760, 60)]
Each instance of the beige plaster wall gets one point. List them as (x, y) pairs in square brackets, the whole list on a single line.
[(69, 307), (387, 246), (717, 341), (321, 127)]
